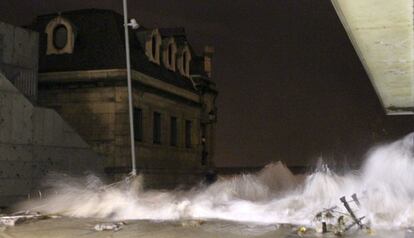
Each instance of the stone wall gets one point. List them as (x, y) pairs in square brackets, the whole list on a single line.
[(33, 142), (96, 105)]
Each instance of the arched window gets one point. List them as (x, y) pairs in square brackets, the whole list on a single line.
[(60, 37), (185, 62), (154, 46), (170, 54), (169, 51)]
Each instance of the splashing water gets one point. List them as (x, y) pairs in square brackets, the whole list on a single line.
[(385, 185)]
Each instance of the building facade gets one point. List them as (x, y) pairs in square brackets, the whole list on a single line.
[(83, 76)]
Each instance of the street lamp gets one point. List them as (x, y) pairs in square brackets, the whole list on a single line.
[(134, 25), (212, 116)]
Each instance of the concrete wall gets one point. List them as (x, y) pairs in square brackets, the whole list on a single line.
[(33, 142), (382, 34), (19, 58)]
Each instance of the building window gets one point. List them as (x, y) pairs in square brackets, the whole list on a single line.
[(157, 128), (173, 131), (60, 37), (188, 130), (151, 39), (170, 55), (138, 132), (154, 46), (185, 63)]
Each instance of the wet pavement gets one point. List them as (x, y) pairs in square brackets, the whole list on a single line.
[(75, 227)]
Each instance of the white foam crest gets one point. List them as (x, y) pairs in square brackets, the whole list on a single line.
[(388, 184), (385, 185)]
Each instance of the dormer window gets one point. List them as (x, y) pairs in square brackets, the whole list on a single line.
[(60, 36), (184, 59), (152, 46), (169, 53), (185, 66)]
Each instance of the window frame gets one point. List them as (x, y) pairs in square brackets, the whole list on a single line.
[(52, 29)]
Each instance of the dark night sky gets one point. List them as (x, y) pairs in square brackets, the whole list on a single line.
[(283, 67)]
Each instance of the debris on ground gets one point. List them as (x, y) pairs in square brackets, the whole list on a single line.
[(192, 223), (301, 231), (21, 217), (116, 226), (335, 221)]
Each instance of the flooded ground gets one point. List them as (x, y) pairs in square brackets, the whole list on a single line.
[(76, 227), (375, 201)]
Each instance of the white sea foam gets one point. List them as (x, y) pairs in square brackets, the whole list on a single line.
[(385, 185)]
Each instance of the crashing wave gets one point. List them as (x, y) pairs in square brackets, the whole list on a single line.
[(274, 195)]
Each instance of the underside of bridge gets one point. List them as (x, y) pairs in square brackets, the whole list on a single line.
[(381, 32)]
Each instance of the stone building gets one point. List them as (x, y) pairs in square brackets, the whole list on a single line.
[(34, 141), (83, 76)]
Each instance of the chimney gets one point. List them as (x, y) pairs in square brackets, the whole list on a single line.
[(208, 54)]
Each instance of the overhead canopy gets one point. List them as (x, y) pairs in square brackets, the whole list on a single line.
[(383, 36)]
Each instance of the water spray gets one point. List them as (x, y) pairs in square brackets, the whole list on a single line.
[(272, 196)]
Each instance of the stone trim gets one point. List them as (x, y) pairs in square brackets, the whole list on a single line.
[(70, 43), (110, 74)]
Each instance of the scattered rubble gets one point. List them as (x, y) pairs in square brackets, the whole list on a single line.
[(21, 217), (192, 223), (116, 226), (338, 222)]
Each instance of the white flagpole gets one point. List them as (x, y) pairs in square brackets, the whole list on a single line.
[(131, 115)]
